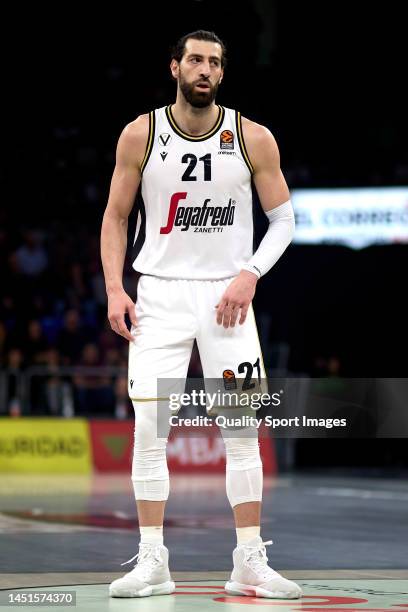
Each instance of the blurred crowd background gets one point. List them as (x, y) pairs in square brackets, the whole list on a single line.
[(332, 96)]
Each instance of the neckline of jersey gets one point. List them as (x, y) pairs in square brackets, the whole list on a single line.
[(179, 131)]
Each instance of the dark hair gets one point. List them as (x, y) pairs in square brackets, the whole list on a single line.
[(177, 51)]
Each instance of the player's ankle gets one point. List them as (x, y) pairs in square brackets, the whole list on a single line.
[(245, 534), (153, 534)]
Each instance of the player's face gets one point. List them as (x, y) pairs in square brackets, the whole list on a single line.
[(199, 73)]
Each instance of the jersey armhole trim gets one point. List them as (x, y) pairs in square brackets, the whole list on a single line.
[(242, 142), (150, 140)]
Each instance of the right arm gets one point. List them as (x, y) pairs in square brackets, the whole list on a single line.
[(124, 185)]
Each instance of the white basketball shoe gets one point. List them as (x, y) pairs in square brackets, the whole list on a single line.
[(150, 575), (253, 577)]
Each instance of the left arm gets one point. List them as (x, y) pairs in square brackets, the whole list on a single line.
[(274, 196)]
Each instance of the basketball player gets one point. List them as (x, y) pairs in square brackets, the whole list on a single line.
[(194, 160)]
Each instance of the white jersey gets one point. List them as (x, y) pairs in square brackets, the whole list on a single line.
[(195, 221)]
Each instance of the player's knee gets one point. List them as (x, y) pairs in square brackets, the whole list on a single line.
[(150, 474), (150, 463), (149, 431), (244, 475), (242, 453), (151, 490), (243, 486)]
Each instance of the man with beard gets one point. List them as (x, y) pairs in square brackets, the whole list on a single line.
[(194, 161)]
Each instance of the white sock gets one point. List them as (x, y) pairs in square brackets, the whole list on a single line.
[(245, 534), (151, 534)]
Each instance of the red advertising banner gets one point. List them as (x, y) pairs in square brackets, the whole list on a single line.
[(112, 449), (206, 453), (112, 445)]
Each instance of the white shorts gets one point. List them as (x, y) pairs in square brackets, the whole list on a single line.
[(171, 313)]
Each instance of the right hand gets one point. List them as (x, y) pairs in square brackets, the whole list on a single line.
[(119, 303)]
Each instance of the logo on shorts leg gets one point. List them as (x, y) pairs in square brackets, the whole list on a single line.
[(131, 384), (230, 382)]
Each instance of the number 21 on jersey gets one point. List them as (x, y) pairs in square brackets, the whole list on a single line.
[(191, 160)]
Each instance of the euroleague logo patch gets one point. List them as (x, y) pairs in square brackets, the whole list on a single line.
[(230, 382), (226, 139)]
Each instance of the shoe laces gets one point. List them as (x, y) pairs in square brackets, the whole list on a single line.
[(147, 559), (255, 558)]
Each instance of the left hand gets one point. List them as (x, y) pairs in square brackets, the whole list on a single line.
[(237, 296)]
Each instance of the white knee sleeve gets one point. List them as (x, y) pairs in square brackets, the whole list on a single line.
[(244, 476), (150, 474)]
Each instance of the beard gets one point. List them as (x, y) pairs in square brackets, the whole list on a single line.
[(197, 98)]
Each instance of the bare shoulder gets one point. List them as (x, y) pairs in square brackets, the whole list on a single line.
[(258, 139), (133, 141), (261, 146), (137, 129)]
